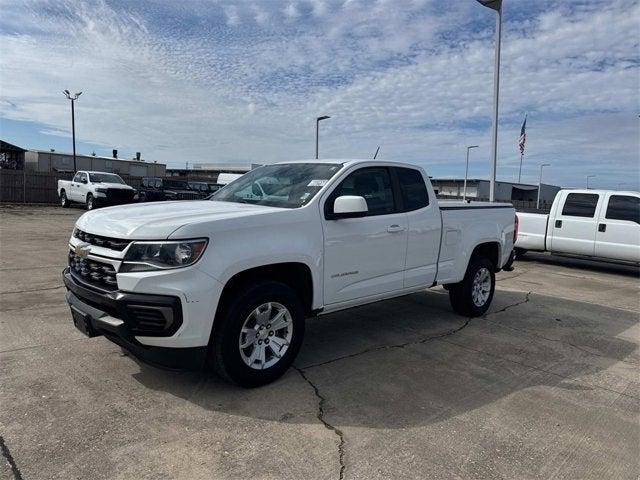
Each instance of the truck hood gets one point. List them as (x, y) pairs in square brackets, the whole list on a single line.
[(156, 221), (112, 185)]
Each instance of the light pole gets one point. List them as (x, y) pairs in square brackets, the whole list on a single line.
[(73, 123), (588, 177), (497, 6), (318, 119), (466, 173), (540, 184)]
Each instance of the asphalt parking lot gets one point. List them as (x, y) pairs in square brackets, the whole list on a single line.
[(547, 385)]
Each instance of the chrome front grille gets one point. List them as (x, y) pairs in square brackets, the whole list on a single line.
[(94, 273), (100, 241)]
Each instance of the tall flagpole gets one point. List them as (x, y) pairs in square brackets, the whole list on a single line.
[(496, 92), (520, 171)]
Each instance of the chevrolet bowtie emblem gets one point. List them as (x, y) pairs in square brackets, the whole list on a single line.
[(82, 250)]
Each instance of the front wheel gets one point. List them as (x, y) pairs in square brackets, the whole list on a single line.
[(472, 296), (90, 202), (258, 334)]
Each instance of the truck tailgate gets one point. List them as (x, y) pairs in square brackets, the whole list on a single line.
[(532, 231)]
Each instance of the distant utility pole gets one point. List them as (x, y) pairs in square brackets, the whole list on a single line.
[(540, 183), (318, 120), (466, 173), (73, 123), (497, 6), (376, 154), (588, 177)]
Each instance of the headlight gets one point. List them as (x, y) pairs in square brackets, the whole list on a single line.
[(152, 256), (101, 190)]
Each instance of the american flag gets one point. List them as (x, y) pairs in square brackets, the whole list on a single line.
[(523, 136)]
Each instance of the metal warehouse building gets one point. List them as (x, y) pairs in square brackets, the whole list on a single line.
[(505, 191), (44, 161)]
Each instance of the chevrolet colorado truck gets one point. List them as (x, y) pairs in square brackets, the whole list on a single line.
[(94, 189), (229, 281), (600, 224)]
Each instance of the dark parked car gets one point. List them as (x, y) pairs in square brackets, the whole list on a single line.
[(158, 188), (204, 188)]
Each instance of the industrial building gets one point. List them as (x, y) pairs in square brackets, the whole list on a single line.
[(11, 156), (505, 191), (48, 161)]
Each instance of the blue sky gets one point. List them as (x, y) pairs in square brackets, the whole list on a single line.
[(233, 81)]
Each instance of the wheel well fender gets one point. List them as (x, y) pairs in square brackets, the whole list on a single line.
[(489, 250), (296, 275)]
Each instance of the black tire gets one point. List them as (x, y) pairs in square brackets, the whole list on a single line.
[(225, 354), (142, 197), (519, 252), (461, 294), (64, 201), (90, 202)]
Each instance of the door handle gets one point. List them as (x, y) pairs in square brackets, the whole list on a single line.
[(558, 223), (602, 227), (395, 228)]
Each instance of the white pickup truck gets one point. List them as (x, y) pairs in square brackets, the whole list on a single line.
[(603, 224), (229, 281), (94, 189)]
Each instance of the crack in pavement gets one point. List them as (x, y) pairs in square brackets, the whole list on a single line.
[(322, 400), (9, 459), (327, 425)]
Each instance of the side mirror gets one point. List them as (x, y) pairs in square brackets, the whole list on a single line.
[(349, 206)]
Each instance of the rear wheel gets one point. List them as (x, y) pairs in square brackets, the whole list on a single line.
[(64, 201), (258, 334), (472, 296), (90, 202)]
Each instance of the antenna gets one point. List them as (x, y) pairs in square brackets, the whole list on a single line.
[(376, 154)]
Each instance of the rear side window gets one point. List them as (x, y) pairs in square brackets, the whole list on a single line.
[(624, 207), (580, 205), (412, 189)]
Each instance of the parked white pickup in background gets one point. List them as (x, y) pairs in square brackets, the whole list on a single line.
[(603, 224)]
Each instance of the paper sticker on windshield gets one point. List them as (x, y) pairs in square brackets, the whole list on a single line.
[(317, 183)]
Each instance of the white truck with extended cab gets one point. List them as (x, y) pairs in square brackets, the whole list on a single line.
[(601, 224), (229, 281), (94, 189)]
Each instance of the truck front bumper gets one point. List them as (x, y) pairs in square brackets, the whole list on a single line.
[(122, 316)]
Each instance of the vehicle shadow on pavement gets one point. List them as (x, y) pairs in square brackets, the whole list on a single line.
[(578, 263), (410, 361)]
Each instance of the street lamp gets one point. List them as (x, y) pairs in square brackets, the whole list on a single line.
[(497, 6), (540, 184), (73, 123), (588, 177), (466, 172), (324, 117)]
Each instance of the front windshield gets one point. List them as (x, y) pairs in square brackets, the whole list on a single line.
[(177, 184), (289, 185), (105, 178)]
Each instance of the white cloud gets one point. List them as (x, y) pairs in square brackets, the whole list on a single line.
[(244, 80)]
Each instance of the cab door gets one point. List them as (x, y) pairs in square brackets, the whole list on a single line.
[(618, 232), (573, 229), (74, 192), (364, 256)]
